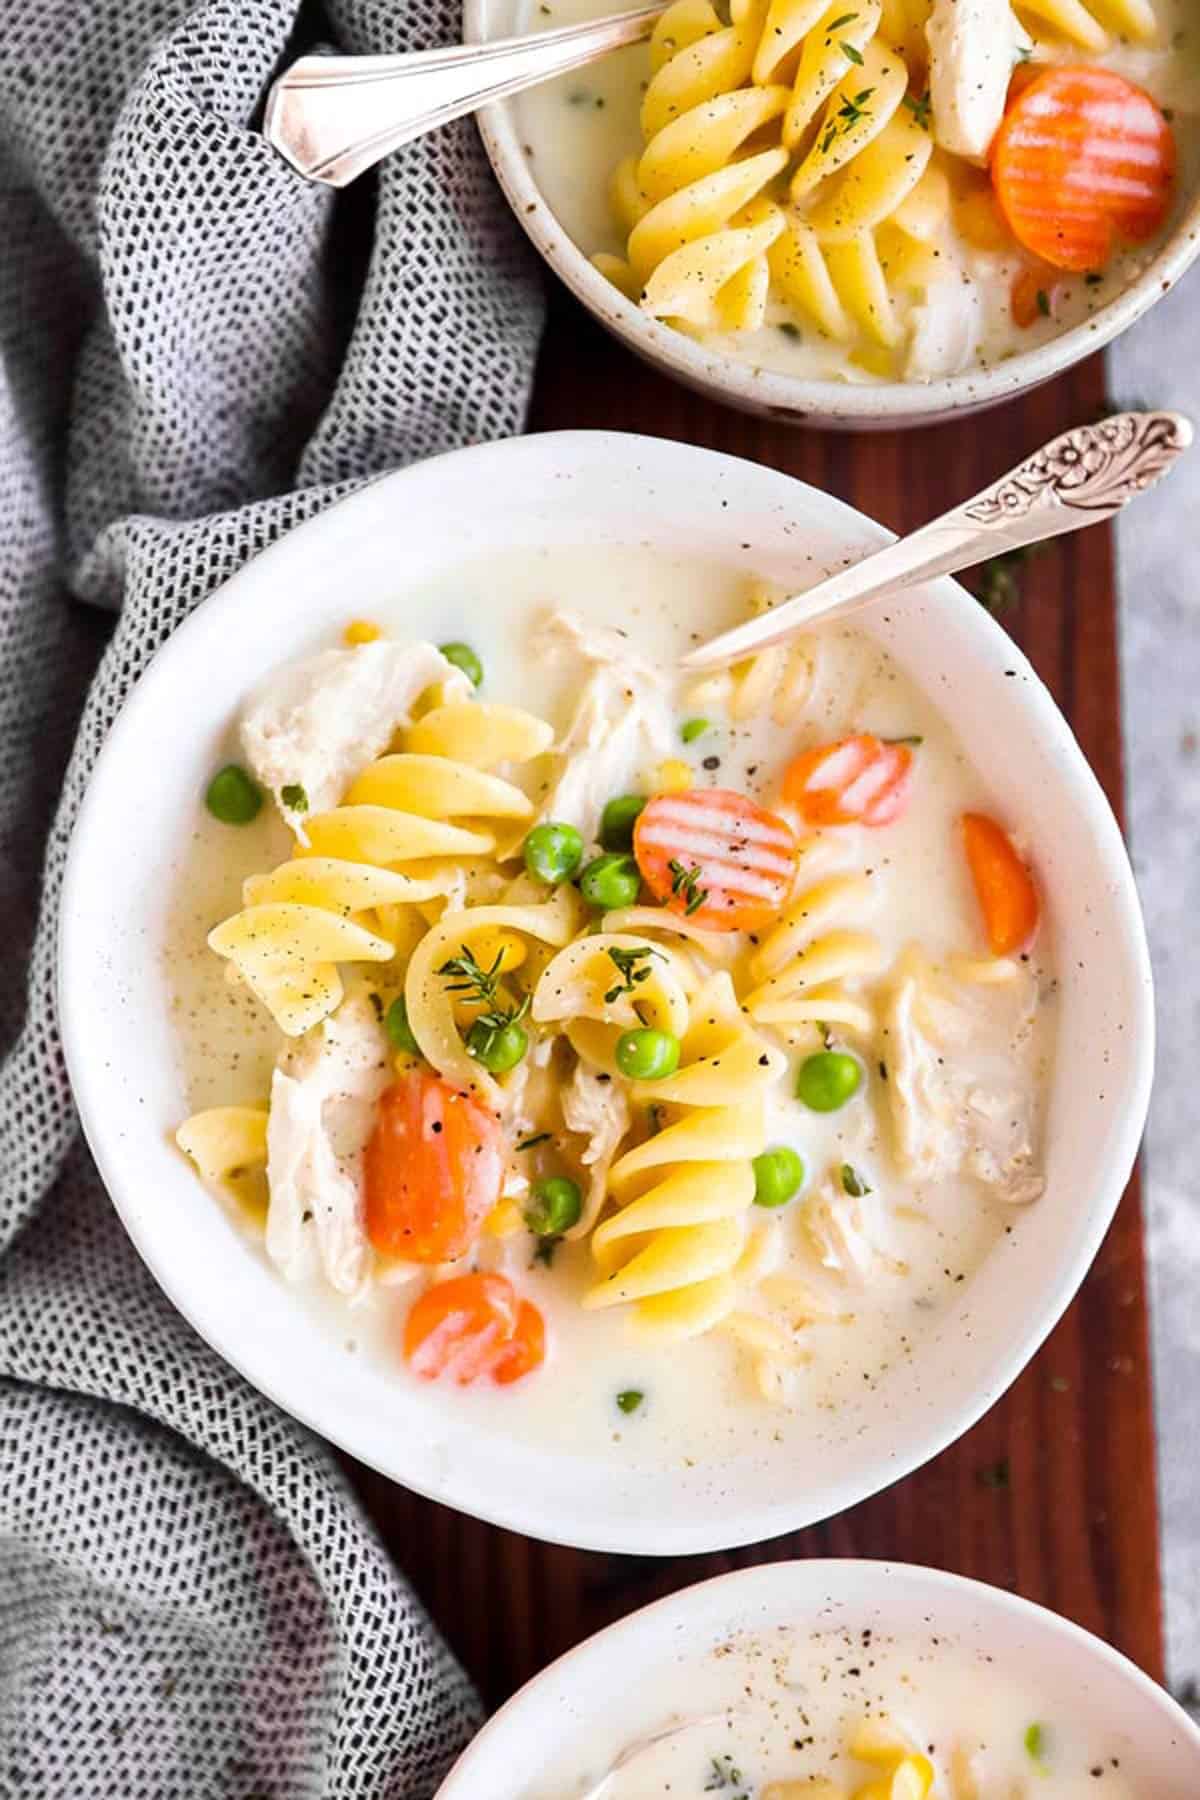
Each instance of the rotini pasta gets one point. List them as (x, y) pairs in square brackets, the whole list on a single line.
[(337, 899), (1090, 24), (673, 1247), (810, 969), (228, 1145)]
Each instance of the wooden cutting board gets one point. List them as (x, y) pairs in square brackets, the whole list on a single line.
[(1053, 1494)]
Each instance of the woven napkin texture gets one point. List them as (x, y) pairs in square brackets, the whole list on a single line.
[(197, 351)]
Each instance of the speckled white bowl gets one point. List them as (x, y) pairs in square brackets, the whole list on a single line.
[(602, 1678), (409, 529), (878, 406)]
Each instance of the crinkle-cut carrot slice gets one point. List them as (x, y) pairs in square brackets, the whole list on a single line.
[(432, 1169), (1007, 896), (462, 1327), (716, 856), (857, 780), (525, 1351), (1083, 160)]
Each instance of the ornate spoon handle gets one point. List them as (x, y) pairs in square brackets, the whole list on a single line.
[(1081, 478), (332, 117)]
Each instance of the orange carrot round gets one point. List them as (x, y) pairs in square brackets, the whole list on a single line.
[(1007, 897), (716, 856), (1083, 160), (432, 1169), (857, 780), (473, 1325)]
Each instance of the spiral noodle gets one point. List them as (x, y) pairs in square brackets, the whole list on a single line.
[(777, 683), (672, 1249), (579, 991), (787, 84), (335, 900), (1090, 24), (228, 1145), (809, 969)]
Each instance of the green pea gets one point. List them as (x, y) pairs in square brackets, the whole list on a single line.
[(233, 796), (498, 1047), (618, 820), (464, 658), (556, 1205), (827, 1080), (646, 1055), (553, 852), (629, 1399), (399, 1031), (778, 1177), (610, 881)]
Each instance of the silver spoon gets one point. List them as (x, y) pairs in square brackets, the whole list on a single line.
[(1081, 478), (332, 117)]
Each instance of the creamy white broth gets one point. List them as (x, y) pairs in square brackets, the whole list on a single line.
[(577, 129), (700, 1404), (782, 1706)]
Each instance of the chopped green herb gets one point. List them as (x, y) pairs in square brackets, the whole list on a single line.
[(581, 97), (629, 1399), (840, 24), (1024, 52), (496, 1038), (627, 962), (294, 797), (914, 742), (790, 330), (995, 1475), (691, 729), (919, 106), (683, 881), (853, 1183), (999, 581), (529, 1143), (1035, 1741), (1093, 279), (854, 54), (1043, 303), (723, 1773)]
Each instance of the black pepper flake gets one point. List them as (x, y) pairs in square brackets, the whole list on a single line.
[(711, 762)]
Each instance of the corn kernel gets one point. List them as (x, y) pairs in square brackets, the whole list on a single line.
[(504, 1220), (361, 631), (674, 777)]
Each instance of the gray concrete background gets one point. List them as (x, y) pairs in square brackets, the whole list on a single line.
[(1159, 562)]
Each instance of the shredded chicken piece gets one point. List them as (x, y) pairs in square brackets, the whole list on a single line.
[(597, 1109), (844, 1232), (960, 1077), (323, 1097), (622, 727)]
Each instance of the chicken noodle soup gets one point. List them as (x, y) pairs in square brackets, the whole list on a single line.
[(661, 1050), (886, 189), (844, 1715)]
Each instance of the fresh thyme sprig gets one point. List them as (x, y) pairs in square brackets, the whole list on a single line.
[(627, 962), (482, 986), (683, 881)]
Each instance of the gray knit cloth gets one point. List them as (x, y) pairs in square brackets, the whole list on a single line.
[(197, 351)]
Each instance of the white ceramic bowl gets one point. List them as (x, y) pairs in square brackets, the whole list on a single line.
[(572, 489), (603, 1680), (877, 406)]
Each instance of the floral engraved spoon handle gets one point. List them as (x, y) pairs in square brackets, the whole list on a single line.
[(1081, 478)]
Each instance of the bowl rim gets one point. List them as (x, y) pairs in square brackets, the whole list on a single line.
[(776, 1579), (76, 987), (792, 398)]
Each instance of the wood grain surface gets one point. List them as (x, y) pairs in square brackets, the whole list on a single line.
[(1053, 1493)]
